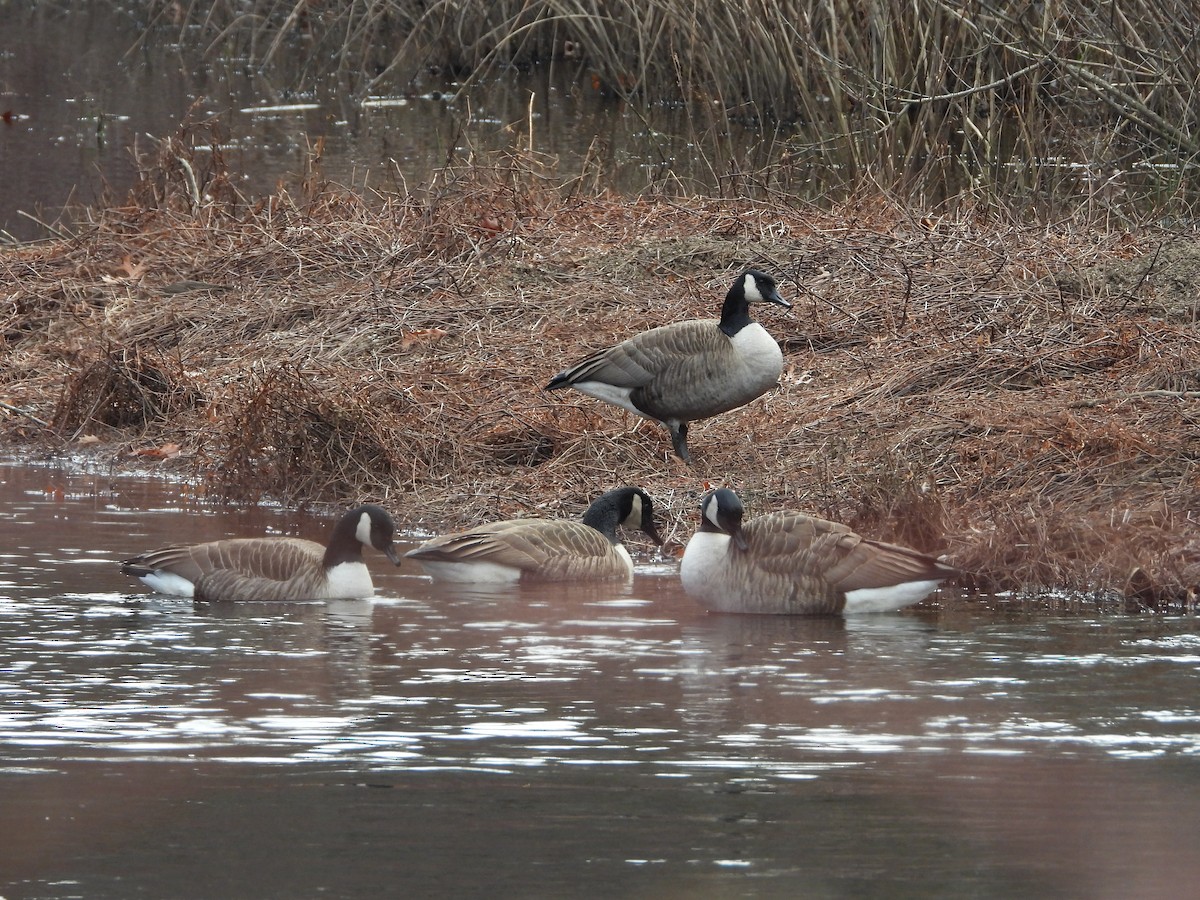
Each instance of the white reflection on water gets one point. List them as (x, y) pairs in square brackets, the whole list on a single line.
[(106, 671)]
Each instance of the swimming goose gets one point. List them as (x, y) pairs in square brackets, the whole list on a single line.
[(788, 562), (543, 549), (690, 370), (272, 568)]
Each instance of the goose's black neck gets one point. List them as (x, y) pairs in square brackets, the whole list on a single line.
[(735, 312), (366, 524), (604, 516), (344, 545)]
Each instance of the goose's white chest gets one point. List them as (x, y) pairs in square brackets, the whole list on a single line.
[(759, 356), (349, 581), (626, 560), (703, 567)]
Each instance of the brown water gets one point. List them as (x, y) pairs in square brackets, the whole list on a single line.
[(84, 96), (575, 741)]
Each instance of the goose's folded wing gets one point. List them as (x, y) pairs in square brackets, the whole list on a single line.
[(246, 569), (573, 550), (527, 544), (499, 543), (874, 564), (271, 559), (176, 558), (786, 541), (479, 547), (634, 363), (257, 569), (847, 561)]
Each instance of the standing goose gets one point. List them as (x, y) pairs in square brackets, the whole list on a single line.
[(691, 370), (272, 568), (543, 549), (791, 563)]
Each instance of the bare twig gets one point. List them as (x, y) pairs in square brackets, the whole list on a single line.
[(16, 410)]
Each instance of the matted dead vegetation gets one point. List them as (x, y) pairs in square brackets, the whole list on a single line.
[(1021, 397)]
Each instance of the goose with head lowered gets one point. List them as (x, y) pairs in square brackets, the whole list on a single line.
[(272, 568), (676, 374), (543, 549), (793, 564)]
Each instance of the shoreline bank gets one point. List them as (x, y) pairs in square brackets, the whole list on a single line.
[(1020, 397)]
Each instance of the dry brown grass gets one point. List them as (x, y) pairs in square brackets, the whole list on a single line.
[(1021, 397)]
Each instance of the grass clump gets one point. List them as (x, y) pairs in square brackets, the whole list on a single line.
[(123, 390), (300, 435)]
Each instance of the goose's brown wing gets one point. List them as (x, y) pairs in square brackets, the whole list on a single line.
[(873, 564), (241, 568), (811, 547), (542, 548), (636, 362), (176, 558), (268, 559)]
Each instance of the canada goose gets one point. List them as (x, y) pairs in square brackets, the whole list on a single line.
[(543, 549), (691, 370), (788, 562), (272, 568)]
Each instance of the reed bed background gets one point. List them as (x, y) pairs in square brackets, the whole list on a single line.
[(1021, 397), (1053, 99)]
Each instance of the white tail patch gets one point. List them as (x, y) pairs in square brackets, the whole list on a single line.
[(888, 599), (168, 583), (471, 573), (617, 396)]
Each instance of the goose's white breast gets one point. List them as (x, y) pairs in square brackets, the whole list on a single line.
[(759, 354), (704, 560), (350, 580), (626, 559)]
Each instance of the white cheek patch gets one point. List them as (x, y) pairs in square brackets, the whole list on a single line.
[(750, 288), (363, 532), (634, 519), (710, 512)]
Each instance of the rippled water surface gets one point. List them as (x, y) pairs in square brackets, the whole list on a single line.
[(580, 741)]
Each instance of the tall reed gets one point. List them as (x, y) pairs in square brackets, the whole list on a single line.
[(896, 91)]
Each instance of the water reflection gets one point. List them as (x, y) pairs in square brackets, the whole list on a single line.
[(83, 102), (558, 738)]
